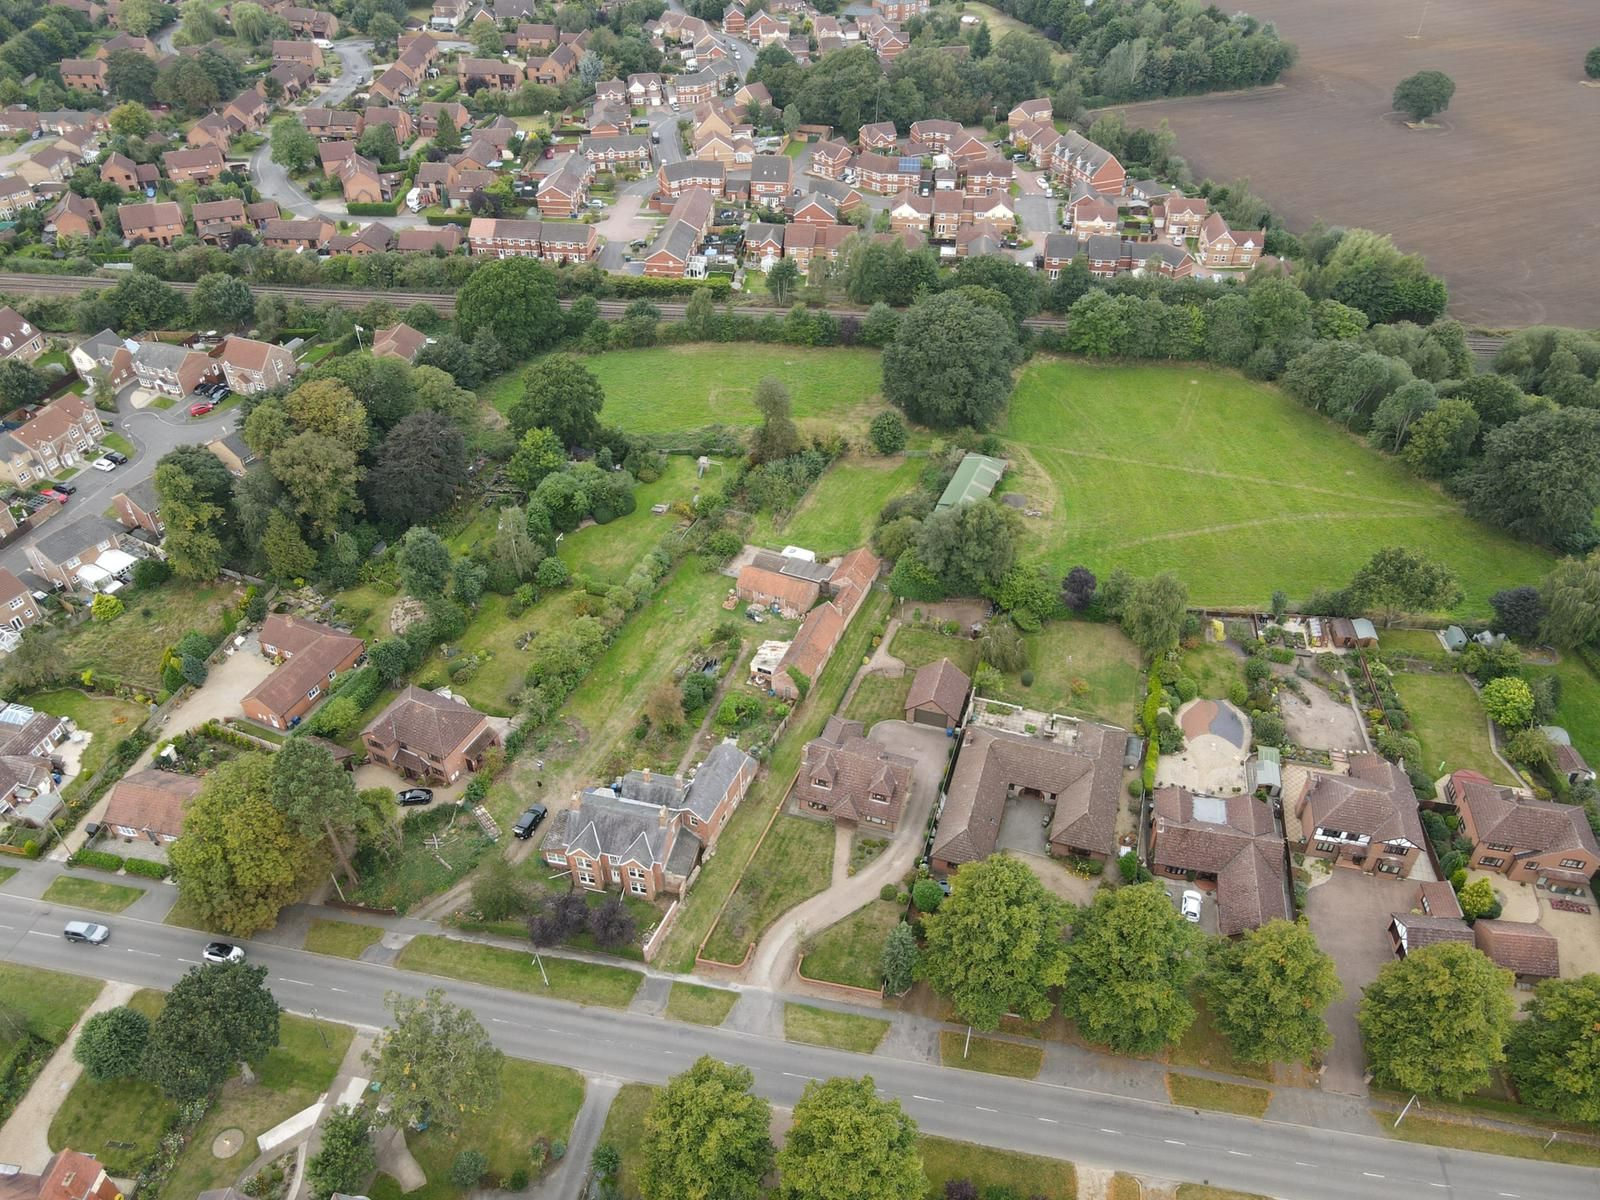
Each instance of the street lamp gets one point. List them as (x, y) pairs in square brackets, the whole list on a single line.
[(358, 337)]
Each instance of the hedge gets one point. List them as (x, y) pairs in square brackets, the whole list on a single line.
[(449, 218), (631, 287), (373, 210), (100, 860), (147, 868)]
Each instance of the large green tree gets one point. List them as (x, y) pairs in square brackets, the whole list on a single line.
[(1570, 599), (996, 944), (562, 395), (418, 470), (316, 796), (293, 148), (1152, 612), (950, 362), (435, 1063), (346, 1159), (776, 437), (1436, 1021), (1539, 476), (539, 453), (1129, 966), (969, 548), (1267, 992), (1554, 1051), (215, 1018), (239, 860), (320, 477), (111, 1044), (515, 300), (706, 1136), (1422, 95), (847, 1144), (222, 300), (194, 526), (424, 563), (1398, 580)]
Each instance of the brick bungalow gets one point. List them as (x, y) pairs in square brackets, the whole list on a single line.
[(1530, 952), (314, 654), (1231, 842), (150, 804), (423, 735)]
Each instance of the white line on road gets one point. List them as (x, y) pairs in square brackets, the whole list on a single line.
[(1113, 1132), (1240, 1154), (1512, 1195), (792, 1075), (981, 1108), (39, 933), (500, 1020), (1439, 1185), (1298, 1163), (297, 982), (146, 953), (346, 991), (1372, 1175), (929, 1099), (1172, 1142)]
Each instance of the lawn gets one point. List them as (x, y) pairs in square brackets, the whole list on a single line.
[(610, 552), (1204, 1191), (839, 511), (570, 979), (537, 1103), (1448, 719), (492, 636), (990, 1055), (77, 892), (130, 648), (700, 1005), (794, 863), (918, 645), (7, 872), (1191, 1091), (624, 1129), (1213, 666), (1458, 1136), (106, 719), (987, 1167), (343, 939), (880, 698), (1080, 667), (1579, 710), (1230, 484), (49, 1002), (420, 871), (119, 1120), (824, 1027), (851, 951), (366, 609), (667, 388), (1204, 1047)]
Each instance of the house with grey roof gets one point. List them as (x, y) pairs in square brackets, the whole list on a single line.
[(138, 507), (66, 546)]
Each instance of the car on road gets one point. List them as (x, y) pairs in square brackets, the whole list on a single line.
[(103, 464), (414, 796), (222, 953), (1190, 905), (201, 407), (528, 822), (85, 931)]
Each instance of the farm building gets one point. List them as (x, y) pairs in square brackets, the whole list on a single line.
[(974, 480)]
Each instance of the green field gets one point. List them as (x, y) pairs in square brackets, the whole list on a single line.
[(610, 552), (119, 1120), (1231, 484), (839, 511), (1579, 710), (130, 647), (1449, 721), (825, 1027), (76, 892), (667, 388)]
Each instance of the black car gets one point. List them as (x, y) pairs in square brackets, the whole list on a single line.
[(115, 456), (68, 488), (414, 796), (528, 822)]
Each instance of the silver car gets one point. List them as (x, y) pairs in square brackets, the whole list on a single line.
[(85, 931)]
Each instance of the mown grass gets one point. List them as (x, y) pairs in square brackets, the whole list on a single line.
[(107, 720), (343, 939), (1204, 1046), (1457, 1136), (700, 1005), (880, 698), (1448, 719), (824, 1027), (611, 551), (794, 863), (1192, 1091), (120, 1121), (46, 1003), (130, 648), (993, 1056), (7, 872), (570, 979), (987, 1167), (918, 645), (839, 511), (1230, 484), (1579, 710), (851, 951), (624, 1129), (76, 892), (1079, 667)]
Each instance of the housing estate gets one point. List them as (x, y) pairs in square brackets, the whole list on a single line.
[(1366, 820), (56, 438), (86, 551)]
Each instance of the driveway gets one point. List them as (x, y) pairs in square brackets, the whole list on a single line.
[(1349, 915), (776, 954)]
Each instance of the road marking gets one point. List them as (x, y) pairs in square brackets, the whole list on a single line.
[(1439, 1185), (1050, 1120), (1113, 1132), (1240, 1154), (1512, 1195), (1171, 1142), (344, 990), (981, 1108), (1305, 1164), (792, 1075), (1372, 1175), (39, 933), (296, 982), (500, 1020), (929, 1099), (146, 953)]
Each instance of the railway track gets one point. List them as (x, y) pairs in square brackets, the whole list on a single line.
[(443, 302)]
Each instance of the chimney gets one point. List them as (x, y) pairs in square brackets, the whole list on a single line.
[(661, 820)]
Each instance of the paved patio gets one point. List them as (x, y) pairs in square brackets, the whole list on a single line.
[(1024, 825)]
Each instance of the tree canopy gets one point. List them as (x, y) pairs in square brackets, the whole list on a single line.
[(847, 1144), (1267, 992), (1398, 580), (1539, 477), (1422, 95), (561, 394), (1554, 1053), (111, 1044), (215, 1017), (950, 362), (706, 1136), (435, 1062), (515, 300)]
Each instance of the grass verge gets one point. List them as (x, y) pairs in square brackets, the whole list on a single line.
[(1204, 1046), (1194, 1092), (342, 939), (990, 1055), (1204, 1191), (624, 1129), (91, 893), (1025, 1174), (578, 982), (1457, 1136), (824, 1027), (700, 1005), (7, 872), (793, 864)]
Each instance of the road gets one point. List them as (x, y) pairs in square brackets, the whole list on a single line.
[(1150, 1138)]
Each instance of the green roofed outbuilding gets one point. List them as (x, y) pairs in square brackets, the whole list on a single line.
[(974, 480)]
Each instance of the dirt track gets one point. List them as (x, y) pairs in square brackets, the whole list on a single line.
[(1499, 199)]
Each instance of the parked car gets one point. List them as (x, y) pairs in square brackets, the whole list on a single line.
[(201, 407), (528, 822), (414, 796), (85, 931), (222, 953), (1190, 905), (55, 494), (597, 204), (117, 457), (70, 489), (103, 464)]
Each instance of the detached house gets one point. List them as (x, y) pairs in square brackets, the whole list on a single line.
[(296, 235), (1231, 841), (57, 438), (19, 337), (217, 221), (172, 370), (565, 190), (1367, 819), (150, 805), (398, 341), (829, 159), (850, 778), (73, 216), (70, 1175), (424, 735), (252, 366), (201, 165), (1223, 247), (313, 654), (210, 130), (18, 608), (84, 74), (121, 171), (771, 179), (1526, 840), (140, 507)]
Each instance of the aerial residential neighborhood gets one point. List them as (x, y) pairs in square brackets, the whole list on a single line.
[(916, 600)]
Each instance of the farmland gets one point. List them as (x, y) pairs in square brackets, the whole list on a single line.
[(1229, 484), (1324, 147)]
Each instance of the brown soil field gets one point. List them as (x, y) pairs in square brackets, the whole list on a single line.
[(1499, 199)]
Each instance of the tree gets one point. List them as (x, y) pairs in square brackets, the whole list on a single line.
[(888, 433), (131, 75), (417, 471), (424, 563), (847, 1144), (316, 796), (562, 395), (239, 862), (288, 556), (1508, 701), (21, 383), (899, 962), (995, 945), (1519, 612), (776, 437), (1554, 1055), (447, 140), (111, 1044), (222, 300), (435, 1063), (293, 148), (1152, 612), (969, 548), (705, 1136), (1569, 600), (515, 300), (141, 17), (1077, 588), (193, 524), (320, 477), (1477, 899), (1435, 1022), (1129, 966), (1398, 580), (1421, 95), (783, 277), (130, 120), (331, 409), (950, 362), (1539, 477), (1267, 992), (1442, 439), (1591, 63), (347, 1158), (379, 144), (215, 1017)]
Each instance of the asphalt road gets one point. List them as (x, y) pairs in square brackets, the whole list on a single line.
[(1257, 1156)]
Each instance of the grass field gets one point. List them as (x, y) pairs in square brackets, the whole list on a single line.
[(1080, 667), (880, 698), (851, 951), (492, 636), (77, 892), (1191, 1091), (1579, 710), (570, 979), (624, 1129), (824, 1027), (794, 863), (667, 388), (610, 552), (130, 648), (839, 511), (49, 1002), (700, 1005), (987, 1167), (105, 718), (990, 1055), (1230, 484), (1449, 721), (119, 1120), (1213, 667), (343, 939)]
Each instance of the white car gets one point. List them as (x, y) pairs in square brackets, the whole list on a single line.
[(1190, 905), (222, 953), (103, 464)]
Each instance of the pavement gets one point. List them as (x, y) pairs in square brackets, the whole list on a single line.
[(1080, 1109)]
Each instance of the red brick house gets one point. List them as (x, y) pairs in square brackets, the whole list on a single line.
[(825, 624), (18, 608), (887, 175), (565, 190), (1230, 842), (771, 180), (1182, 216), (1078, 160), (1220, 246), (552, 241), (1366, 820), (151, 805), (934, 135), (830, 159), (55, 438), (878, 137), (210, 130), (668, 256), (313, 655), (158, 223), (424, 735), (1090, 213), (216, 220), (252, 366), (1526, 840), (200, 165), (84, 74), (283, 234), (793, 595), (73, 216), (852, 779), (140, 507), (70, 1175), (673, 179), (332, 124)]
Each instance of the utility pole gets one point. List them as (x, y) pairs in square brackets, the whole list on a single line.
[(1404, 1111)]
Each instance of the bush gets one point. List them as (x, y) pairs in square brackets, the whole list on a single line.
[(98, 859), (150, 572), (373, 210), (888, 433), (1132, 870), (927, 895), (468, 1168), (147, 868), (1027, 678), (888, 892), (1188, 689), (517, 1180)]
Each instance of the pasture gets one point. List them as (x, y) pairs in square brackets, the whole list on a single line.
[(1228, 483), (1324, 145)]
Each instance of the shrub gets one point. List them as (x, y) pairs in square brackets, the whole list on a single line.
[(1132, 870), (927, 895), (373, 210), (888, 433), (468, 1168), (151, 572), (517, 1180), (98, 859), (1238, 693), (147, 868), (888, 892), (1027, 678), (1280, 654)]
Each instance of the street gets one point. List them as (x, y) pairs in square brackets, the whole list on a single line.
[(1153, 1138)]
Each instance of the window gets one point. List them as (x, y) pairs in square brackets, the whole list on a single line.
[(1491, 862), (1497, 846), (585, 877), (638, 889), (19, 602), (1385, 867), (821, 785), (1328, 847), (635, 873), (1397, 847), (1573, 864), (694, 821)]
